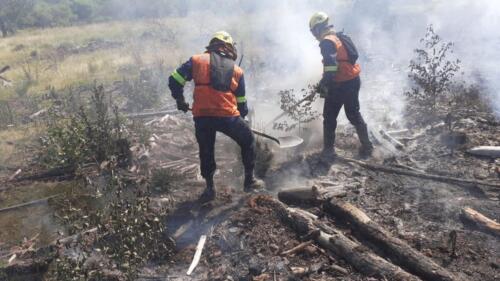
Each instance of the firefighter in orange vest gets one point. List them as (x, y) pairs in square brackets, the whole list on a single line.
[(339, 86), (219, 105)]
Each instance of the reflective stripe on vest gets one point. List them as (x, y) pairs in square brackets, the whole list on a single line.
[(345, 71), (207, 100)]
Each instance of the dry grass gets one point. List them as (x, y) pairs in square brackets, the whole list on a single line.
[(103, 64), (11, 143)]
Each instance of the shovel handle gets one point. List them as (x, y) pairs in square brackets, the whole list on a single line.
[(258, 133), (266, 136)]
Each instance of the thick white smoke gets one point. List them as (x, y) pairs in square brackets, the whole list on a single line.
[(280, 53)]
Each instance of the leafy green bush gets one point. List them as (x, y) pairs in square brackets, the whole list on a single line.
[(91, 134), (432, 73), (129, 235)]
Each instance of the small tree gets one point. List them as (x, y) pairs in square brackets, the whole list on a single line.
[(12, 13), (300, 113), (431, 72)]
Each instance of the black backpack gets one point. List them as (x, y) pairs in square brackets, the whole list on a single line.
[(349, 46)]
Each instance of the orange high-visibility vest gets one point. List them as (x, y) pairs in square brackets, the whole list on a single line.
[(207, 100), (346, 71)]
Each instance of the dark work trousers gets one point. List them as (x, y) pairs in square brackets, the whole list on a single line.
[(343, 94), (235, 128)]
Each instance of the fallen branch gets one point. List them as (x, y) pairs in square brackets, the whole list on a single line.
[(304, 223), (305, 271), (398, 132), (385, 169), (310, 195), (59, 172), (197, 255), (481, 221), (13, 176), (390, 247), (485, 151), (28, 204), (380, 140), (4, 69), (297, 248), (392, 140)]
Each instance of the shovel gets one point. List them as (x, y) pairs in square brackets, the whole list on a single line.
[(283, 142)]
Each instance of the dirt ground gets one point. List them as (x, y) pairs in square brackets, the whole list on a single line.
[(245, 243)]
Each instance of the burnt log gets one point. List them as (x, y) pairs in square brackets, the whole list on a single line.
[(481, 221), (388, 246), (310, 195), (360, 257)]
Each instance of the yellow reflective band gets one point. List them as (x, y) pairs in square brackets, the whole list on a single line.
[(179, 78), (241, 99), (331, 68)]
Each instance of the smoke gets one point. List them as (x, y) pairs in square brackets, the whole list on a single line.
[(280, 53)]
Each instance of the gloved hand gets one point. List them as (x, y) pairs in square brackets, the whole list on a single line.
[(182, 105), (243, 109), (323, 88)]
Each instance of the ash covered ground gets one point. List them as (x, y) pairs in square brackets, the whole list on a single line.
[(245, 242)]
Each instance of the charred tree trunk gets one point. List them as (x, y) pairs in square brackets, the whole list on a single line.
[(390, 247), (361, 258)]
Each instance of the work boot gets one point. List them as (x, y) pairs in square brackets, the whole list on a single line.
[(209, 194), (328, 155), (253, 184), (366, 149)]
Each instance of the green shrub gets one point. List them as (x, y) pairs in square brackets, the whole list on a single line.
[(93, 133), (432, 73), (129, 235)]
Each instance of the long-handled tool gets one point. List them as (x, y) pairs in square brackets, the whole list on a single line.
[(283, 142)]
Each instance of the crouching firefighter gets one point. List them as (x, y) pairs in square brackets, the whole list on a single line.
[(219, 106), (340, 84)]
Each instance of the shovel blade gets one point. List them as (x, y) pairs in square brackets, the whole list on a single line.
[(290, 141)]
